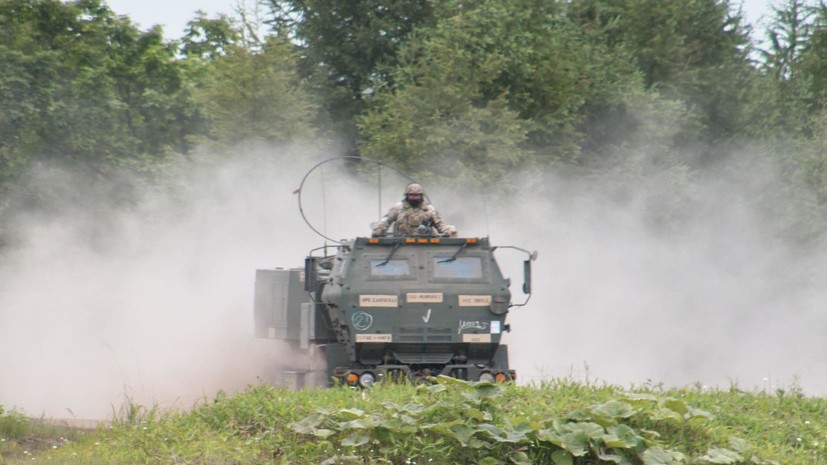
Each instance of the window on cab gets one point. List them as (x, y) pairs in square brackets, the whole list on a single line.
[(382, 268), (460, 268)]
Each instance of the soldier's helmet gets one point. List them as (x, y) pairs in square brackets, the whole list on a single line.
[(414, 188), (414, 193)]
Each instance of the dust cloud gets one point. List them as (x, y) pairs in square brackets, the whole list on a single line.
[(153, 303), (714, 295)]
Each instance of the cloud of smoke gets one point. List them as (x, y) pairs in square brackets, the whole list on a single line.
[(715, 296), (154, 302)]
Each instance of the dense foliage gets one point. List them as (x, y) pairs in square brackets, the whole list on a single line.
[(449, 421), (454, 91)]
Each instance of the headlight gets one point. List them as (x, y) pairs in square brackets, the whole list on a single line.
[(366, 379), (487, 377)]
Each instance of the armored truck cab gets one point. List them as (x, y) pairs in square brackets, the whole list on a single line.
[(416, 306), (398, 307)]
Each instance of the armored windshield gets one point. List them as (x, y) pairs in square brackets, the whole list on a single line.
[(457, 268), (390, 268)]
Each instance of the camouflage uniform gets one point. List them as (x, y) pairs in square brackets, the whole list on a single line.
[(407, 219)]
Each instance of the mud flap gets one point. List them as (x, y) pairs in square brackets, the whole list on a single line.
[(336, 357), (500, 359)]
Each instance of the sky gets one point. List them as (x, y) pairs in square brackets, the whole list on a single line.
[(173, 16)]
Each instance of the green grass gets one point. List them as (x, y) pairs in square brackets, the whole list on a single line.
[(453, 422), (23, 438)]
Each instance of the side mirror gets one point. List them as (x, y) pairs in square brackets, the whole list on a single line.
[(527, 277), (526, 272)]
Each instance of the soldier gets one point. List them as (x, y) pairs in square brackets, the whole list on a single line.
[(413, 216)]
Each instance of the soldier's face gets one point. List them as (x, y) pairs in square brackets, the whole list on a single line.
[(414, 199)]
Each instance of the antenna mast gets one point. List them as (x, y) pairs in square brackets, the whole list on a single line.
[(344, 158)]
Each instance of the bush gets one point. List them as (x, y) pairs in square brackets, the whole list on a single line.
[(13, 425)]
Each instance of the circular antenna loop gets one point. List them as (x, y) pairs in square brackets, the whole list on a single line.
[(343, 158)]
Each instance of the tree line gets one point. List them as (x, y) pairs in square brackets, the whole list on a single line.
[(469, 90)]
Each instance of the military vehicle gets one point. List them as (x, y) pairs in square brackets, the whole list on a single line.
[(392, 308)]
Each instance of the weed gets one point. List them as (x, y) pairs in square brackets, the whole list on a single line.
[(22, 438), (14, 425), (560, 422)]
